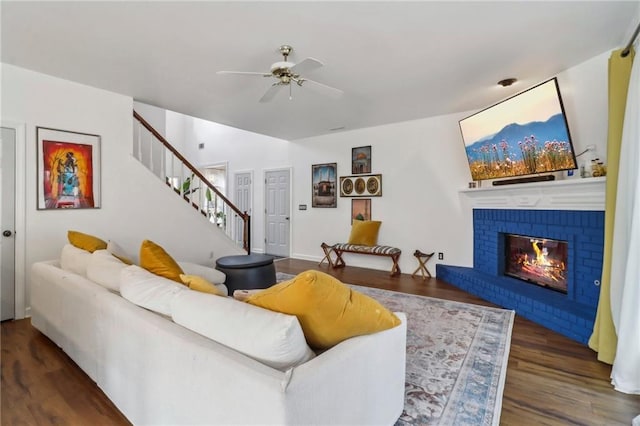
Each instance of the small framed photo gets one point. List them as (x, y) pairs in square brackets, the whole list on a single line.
[(324, 182), (360, 209), (361, 160), (68, 169)]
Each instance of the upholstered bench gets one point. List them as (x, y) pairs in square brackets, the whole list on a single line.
[(376, 250)]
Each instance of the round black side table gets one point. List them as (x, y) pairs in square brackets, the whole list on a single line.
[(247, 272)]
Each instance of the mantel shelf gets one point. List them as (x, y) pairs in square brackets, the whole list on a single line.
[(567, 194)]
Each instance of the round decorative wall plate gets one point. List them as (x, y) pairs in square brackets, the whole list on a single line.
[(372, 185), (347, 186), (360, 186)]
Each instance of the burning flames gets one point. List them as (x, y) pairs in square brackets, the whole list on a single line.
[(541, 255), (542, 265)]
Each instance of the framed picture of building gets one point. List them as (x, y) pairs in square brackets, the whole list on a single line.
[(361, 160), (360, 209), (68, 169), (323, 178)]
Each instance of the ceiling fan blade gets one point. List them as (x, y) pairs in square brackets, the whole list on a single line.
[(271, 92), (332, 92), (263, 74), (306, 65)]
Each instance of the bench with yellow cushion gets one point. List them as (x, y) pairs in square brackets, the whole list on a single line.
[(363, 240)]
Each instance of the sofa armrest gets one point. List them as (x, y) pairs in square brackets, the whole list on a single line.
[(63, 308), (365, 373)]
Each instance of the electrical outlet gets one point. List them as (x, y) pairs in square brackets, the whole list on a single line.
[(440, 256)]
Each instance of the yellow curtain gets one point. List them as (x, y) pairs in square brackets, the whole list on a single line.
[(604, 339)]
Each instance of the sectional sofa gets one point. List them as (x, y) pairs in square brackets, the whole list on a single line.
[(157, 371)]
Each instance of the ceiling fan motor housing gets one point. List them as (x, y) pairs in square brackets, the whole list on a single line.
[(287, 72), (282, 71)]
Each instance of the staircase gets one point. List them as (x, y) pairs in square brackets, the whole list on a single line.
[(164, 161)]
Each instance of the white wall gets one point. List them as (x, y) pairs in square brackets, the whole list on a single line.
[(134, 205), (241, 150), (155, 116), (423, 166), (584, 90)]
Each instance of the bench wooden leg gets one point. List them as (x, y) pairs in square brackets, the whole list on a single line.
[(339, 263), (327, 254), (395, 269)]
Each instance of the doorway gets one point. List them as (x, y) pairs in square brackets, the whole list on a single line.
[(277, 212), (12, 221), (7, 242)]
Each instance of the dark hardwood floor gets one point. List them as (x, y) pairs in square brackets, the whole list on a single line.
[(551, 380)]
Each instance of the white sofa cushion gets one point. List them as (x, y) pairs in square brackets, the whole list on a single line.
[(210, 274), (148, 290), (73, 259), (105, 269), (272, 338)]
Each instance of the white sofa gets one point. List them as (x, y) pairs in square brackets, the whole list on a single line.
[(160, 373)]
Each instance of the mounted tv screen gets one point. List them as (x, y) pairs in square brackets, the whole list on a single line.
[(522, 135)]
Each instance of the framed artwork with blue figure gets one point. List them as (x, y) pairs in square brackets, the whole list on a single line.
[(68, 169)]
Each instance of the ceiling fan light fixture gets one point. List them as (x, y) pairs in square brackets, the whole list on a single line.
[(507, 82), (286, 73)]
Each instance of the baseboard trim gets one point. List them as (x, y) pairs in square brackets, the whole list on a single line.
[(306, 257)]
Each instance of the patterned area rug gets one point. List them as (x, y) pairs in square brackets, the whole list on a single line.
[(456, 358)]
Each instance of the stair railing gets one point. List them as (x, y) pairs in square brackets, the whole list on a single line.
[(163, 160)]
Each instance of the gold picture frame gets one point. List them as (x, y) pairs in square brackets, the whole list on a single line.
[(361, 186)]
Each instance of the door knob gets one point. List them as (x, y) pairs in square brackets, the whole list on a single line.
[(6, 233), (287, 218)]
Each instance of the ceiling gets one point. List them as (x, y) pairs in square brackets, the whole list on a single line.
[(395, 61)]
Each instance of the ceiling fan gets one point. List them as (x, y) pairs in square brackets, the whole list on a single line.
[(286, 73)]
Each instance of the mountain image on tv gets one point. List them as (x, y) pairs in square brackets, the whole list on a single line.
[(520, 149)]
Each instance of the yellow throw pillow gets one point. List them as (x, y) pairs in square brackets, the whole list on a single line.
[(85, 241), (328, 310), (197, 283), (154, 259), (364, 232)]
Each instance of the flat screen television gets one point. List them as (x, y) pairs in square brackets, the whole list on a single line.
[(523, 135)]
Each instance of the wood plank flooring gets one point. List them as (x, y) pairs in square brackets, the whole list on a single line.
[(551, 380)]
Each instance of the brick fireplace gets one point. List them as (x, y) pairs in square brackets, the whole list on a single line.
[(570, 211)]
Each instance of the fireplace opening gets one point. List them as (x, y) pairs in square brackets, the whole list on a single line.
[(540, 261)]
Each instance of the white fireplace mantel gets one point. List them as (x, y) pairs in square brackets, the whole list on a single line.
[(568, 194)]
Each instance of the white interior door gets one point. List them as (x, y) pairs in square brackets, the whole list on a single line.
[(242, 194), (7, 212), (277, 212)]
